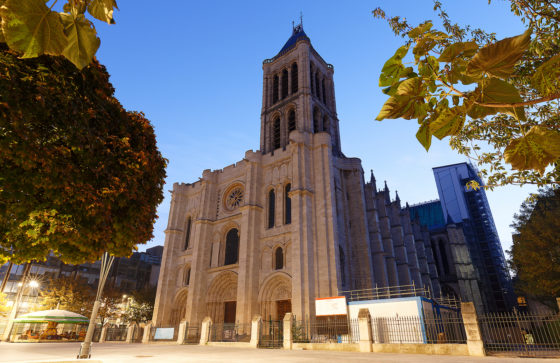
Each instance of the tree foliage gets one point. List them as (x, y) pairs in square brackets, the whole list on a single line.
[(33, 28), (498, 101), (79, 175), (67, 293), (141, 306), (4, 308), (111, 303), (535, 254)]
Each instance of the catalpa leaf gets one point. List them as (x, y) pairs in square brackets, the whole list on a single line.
[(449, 122), (32, 28), (398, 106), (454, 50), (546, 78), (496, 91), (420, 29), (82, 39), (393, 69), (103, 10), (534, 151), (424, 135), (498, 59)]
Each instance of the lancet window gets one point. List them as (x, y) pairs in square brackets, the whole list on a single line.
[(294, 78)]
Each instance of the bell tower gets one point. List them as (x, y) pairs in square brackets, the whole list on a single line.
[(298, 94)]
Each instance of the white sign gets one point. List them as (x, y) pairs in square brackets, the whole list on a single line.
[(330, 306), (164, 333)]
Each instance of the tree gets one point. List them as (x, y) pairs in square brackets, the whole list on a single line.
[(498, 101), (32, 28), (4, 308), (535, 254), (67, 293), (110, 307), (79, 175), (140, 306)]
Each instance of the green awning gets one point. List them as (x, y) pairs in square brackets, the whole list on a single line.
[(58, 316)]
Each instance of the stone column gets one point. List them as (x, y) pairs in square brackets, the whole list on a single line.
[(147, 330), (181, 334), (130, 333), (103, 335), (255, 331), (364, 321), (288, 338), (474, 335), (205, 330)]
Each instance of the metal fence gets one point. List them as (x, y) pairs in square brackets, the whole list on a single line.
[(326, 331), (271, 334), (419, 330), (226, 332), (164, 333), (521, 334), (96, 333), (116, 333), (192, 335)]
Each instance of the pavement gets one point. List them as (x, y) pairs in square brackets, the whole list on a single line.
[(124, 353)]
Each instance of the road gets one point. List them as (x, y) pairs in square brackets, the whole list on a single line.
[(123, 353)]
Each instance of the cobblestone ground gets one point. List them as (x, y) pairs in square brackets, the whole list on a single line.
[(121, 353)]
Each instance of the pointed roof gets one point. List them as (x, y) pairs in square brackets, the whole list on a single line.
[(297, 34)]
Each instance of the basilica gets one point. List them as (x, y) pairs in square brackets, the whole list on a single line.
[(293, 221)]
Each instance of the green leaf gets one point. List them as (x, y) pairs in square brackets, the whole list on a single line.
[(397, 106), (103, 10), (31, 28), (423, 46), (456, 49), (411, 87), (534, 151), (449, 122), (495, 90), (546, 78), (498, 59), (82, 39), (393, 69), (420, 29), (424, 136)]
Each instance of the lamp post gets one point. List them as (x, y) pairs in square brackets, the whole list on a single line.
[(15, 307), (85, 348)]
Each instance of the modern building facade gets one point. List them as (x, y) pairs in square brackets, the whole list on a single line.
[(469, 208), (290, 222)]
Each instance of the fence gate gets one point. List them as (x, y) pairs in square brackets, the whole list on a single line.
[(521, 334), (271, 334)]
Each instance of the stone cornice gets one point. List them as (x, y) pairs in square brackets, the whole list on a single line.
[(172, 231)]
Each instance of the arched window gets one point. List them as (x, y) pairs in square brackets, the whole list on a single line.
[(188, 235), (316, 120), (276, 133), (275, 89), (232, 247), (287, 205), (291, 120), (284, 83), (317, 85), (311, 78), (271, 208), (324, 94), (326, 124), (187, 276), (443, 253), (342, 265), (294, 78), (279, 259)]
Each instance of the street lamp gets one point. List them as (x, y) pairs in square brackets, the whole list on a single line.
[(85, 348)]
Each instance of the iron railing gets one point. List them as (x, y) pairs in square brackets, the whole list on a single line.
[(339, 330), (230, 332), (521, 334), (271, 334), (116, 333), (387, 292), (96, 333), (418, 330), (192, 335)]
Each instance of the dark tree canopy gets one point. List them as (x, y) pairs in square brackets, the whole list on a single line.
[(79, 175), (535, 254)]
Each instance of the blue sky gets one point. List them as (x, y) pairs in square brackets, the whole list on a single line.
[(195, 70)]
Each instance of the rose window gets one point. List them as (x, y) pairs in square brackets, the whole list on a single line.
[(234, 199)]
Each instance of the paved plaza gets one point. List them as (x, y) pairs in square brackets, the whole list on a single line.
[(121, 353)]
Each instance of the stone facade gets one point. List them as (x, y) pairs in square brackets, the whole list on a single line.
[(291, 222)]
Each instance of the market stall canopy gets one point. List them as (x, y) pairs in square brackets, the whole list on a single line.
[(59, 316)]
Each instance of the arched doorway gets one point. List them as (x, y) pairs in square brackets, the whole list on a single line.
[(221, 300), (276, 296), (179, 306)]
